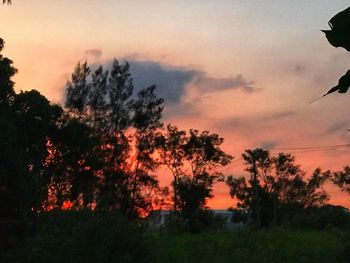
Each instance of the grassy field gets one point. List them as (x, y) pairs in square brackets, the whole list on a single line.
[(80, 237), (270, 246)]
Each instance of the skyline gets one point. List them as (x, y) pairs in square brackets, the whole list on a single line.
[(246, 71)]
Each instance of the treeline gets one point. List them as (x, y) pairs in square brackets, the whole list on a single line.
[(278, 192), (102, 150)]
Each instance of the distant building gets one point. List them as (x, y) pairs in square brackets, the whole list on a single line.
[(158, 218)]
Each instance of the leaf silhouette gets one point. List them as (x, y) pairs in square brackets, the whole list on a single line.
[(339, 35), (343, 84), (342, 87)]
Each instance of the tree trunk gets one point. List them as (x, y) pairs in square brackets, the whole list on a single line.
[(256, 196), (175, 193), (275, 208)]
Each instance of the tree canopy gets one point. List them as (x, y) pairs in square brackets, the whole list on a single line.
[(276, 186)]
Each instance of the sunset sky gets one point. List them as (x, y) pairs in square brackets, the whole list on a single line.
[(246, 70)]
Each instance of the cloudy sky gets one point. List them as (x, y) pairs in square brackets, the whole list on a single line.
[(244, 69)]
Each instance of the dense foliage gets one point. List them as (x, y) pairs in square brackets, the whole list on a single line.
[(82, 236), (77, 243), (277, 188)]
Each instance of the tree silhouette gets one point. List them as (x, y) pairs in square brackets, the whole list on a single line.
[(276, 187), (36, 122), (11, 166), (146, 120), (193, 160), (28, 122), (7, 71), (11, 154), (173, 155), (73, 166), (127, 129), (7, 2), (342, 179)]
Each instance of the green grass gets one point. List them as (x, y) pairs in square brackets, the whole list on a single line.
[(83, 237), (263, 246)]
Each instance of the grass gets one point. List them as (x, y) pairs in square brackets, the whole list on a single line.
[(82, 237), (263, 246)]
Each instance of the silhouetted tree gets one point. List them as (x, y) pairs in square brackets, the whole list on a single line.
[(77, 89), (7, 71), (73, 166), (276, 186), (112, 121), (193, 161), (13, 185), (147, 114), (11, 169), (342, 179), (36, 122), (259, 163), (172, 155), (28, 120), (10, 157), (127, 129)]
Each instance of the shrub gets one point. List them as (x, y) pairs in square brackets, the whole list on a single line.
[(84, 237)]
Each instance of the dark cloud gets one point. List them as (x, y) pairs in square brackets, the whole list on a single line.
[(209, 84), (95, 53), (278, 115), (170, 81), (268, 144), (258, 119)]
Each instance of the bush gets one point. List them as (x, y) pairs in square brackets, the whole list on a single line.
[(83, 237), (320, 218)]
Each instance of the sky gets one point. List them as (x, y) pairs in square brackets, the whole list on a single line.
[(246, 70)]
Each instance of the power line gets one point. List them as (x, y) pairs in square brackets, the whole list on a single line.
[(311, 148), (295, 150), (312, 151)]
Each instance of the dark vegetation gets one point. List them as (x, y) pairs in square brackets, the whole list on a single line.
[(82, 236), (253, 246), (68, 241), (277, 189), (75, 182)]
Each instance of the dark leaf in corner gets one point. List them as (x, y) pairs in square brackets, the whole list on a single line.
[(339, 35)]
